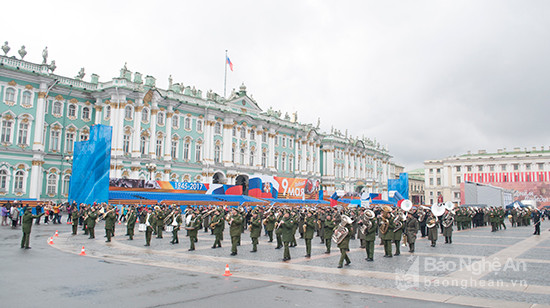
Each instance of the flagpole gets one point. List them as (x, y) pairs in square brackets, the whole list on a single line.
[(225, 74)]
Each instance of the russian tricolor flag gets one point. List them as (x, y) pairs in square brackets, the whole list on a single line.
[(334, 199), (229, 63)]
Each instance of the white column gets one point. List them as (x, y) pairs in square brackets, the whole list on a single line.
[(98, 108), (136, 136), (168, 139), (153, 129), (258, 151), (318, 167), (346, 165), (271, 154), (331, 162), (303, 167), (227, 142), (38, 144), (37, 172), (209, 139)]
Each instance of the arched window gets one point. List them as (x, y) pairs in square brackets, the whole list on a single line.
[(66, 181), (54, 139), (159, 147), (199, 125), (217, 154), (264, 160), (57, 108), (187, 123), (23, 135), (107, 112), (234, 131), (69, 141), (251, 158), (283, 163), (291, 163), (233, 153), (242, 156), (18, 183), (85, 113), (160, 118), (276, 161), (3, 180), (10, 95), (26, 100), (252, 134), (128, 114), (186, 147), (198, 150), (174, 149), (72, 110), (126, 139), (145, 115), (243, 132), (218, 128), (175, 121), (143, 145), (51, 187)]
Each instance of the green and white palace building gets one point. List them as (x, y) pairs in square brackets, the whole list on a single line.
[(174, 134)]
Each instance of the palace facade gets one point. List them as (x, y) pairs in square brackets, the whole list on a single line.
[(174, 134)]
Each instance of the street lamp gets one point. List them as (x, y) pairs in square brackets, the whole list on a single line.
[(151, 168)]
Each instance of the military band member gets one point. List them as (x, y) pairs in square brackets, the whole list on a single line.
[(110, 218), (159, 219), (149, 223), (411, 229), (448, 221), (287, 226), (131, 223), (279, 231), (270, 226), (432, 226), (328, 227), (344, 245), (387, 226), (177, 220), (398, 232), (309, 229), (295, 216), (235, 230), (74, 218), (255, 230), (217, 227), (370, 234), (27, 226), (193, 228), (90, 222)]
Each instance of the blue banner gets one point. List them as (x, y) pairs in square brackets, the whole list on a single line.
[(91, 166), (400, 185)]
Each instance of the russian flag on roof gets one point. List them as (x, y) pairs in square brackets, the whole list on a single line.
[(229, 62)]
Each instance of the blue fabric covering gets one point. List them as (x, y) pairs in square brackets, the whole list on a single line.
[(161, 196), (91, 165), (400, 185), (299, 201)]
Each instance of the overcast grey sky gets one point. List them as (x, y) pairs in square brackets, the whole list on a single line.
[(428, 78)]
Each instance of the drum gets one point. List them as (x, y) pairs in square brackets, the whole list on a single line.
[(142, 228), (169, 228)]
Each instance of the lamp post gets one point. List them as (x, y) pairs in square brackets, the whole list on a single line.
[(151, 168)]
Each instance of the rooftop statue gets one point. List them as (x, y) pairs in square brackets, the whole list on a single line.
[(52, 66), (6, 48), (295, 117), (81, 74), (318, 122), (123, 70), (22, 52), (170, 80), (287, 117), (45, 56)]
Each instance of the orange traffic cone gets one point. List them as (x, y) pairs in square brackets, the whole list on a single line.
[(50, 241), (227, 272), (56, 234), (83, 251)]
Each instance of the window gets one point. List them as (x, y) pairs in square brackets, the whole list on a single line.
[(234, 131), (251, 158), (291, 143), (198, 150), (187, 123), (18, 183), (65, 188), (516, 166), (23, 133), (480, 168), (458, 180), (252, 135), (69, 141), (291, 163), (492, 168), (457, 168), (527, 166), (541, 166), (276, 161), (126, 144), (26, 101), (10, 95), (143, 145), (175, 121), (242, 157), (3, 180), (128, 115), (431, 181), (51, 187), (284, 142), (83, 136), (199, 126), (107, 112), (217, 152), (160, 118), (158, 150), (56, 108), (174, 149), (85, 113), (300, 148), (145, 115), (264, 137), (186, 150), (72, 111), (243, 133), (503, 167), (431, 193), (438, 171), (217, 128), (54, 140), (457, 195), (276, 140), (469, 168), (233, 153), (264, 160), (283, 163)]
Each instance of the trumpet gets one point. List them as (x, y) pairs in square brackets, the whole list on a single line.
[(168, 217)]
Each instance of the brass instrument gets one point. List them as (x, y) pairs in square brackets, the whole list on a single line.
[(384, 225), (431, 223), (168, 217), (341, 231), (448, 220)]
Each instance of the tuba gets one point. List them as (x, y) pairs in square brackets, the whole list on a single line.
[(341, 231), (431, 223), (448, 220)]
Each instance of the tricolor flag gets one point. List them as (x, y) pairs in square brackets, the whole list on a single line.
[(229, 63), (334, 199)]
